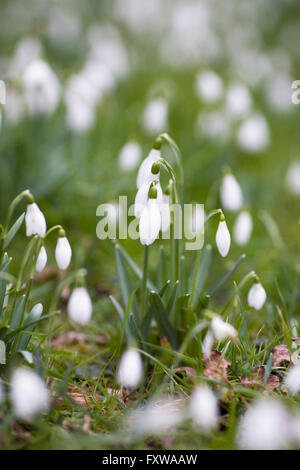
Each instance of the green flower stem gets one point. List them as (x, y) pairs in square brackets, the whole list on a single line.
[(52, 229), (27, 194), (144, 282)]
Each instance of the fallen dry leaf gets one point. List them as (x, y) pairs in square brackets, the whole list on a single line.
[(87, 421), (281, 355), (188, 370), (256, 381), (71, 337), (215, 366)]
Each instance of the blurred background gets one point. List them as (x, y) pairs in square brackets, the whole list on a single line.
[(91, 84)]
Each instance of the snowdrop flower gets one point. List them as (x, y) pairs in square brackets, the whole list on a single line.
[(243, 228), (213, 125), (231, 193), (130, 156), (79, 100), (204, 409), (264, 426), (293, 178), (253, 134), (257, 296), (29, 394), (130, 369), (41, 260), (41, 88), (27, 50), (145, 169), (222, 330), (80, 306), (238, 101), (209, 87), (63, 251), (223, 238), (156, 417), (155, 116), (35, 221), (150, 222), (292, 379)]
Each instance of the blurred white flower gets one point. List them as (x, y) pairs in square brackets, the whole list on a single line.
[(292, 379), (100, 79), (209, 86), (156, 417), (150, 222), (231, 193), (243, 228), (213, 125), (238, 101), (264, 426), (14, 106), (35, 221), (208, 343), (41, 260), (80, 104), (41, 88), (129, 156), (257, 296), (29, 394), (130, 369), (155, 116), (223, 238), (204, 409), (278, 93), (145, 169), (28, 50), (293, 178), (222, 330), (80, 306), (63, 252), (253, 134)]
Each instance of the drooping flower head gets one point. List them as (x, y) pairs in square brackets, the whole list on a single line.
[(63, 251), (223, 238), (130, 369), (257, 295), (80, 306), (35, 221)]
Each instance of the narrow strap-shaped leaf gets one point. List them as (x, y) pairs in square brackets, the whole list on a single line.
[(33, 316), (170, 308), (17, 313), (227, 276), (202, 270), (118, 307), (134, 267), (13, 231), (122, 276), (2, 352), (164, 289), (3, 283), (162, 318), (126, 326)]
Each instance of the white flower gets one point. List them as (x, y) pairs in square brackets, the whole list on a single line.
[(80, 306), (243, 228), (63, 252), (156, 417), (264, 426), (223, 239), (155, 116), (130, 156), (209, 87), (80, 103), (231, 193), (293, 178), (213, 125), (253, 134), (204, 409), (35, 221), (41, 260), (141, 197), (238, 100), (222, 329), (29, 394), (145, 169), (41, 88), (150, 222), (257, 296), (165, 213), (130, 369), (292, 379), (208, 343)]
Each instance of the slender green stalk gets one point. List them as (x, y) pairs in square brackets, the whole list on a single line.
[(144, 282)]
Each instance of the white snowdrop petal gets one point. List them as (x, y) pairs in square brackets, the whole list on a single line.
[(209, 86), (155, 116), (257, 296), (231, 193), (80, 306), (293, 178), (145, 168), (150, 223), (222, 330), (29, 393), (130, 369), (243, 228), (130, 156), (63, 252), (35, 221), (253, 135), (204, 409), (292, 379), (223, 239), (41, 260)]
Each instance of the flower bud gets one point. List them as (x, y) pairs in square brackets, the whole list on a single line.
[(231, 193), (130, 370), (41, 260), (150, 222), (222, 330), (63, 252), (243, 228), (257, 296), (80, 306), (35, 221), (29, 394), (223, 238)]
